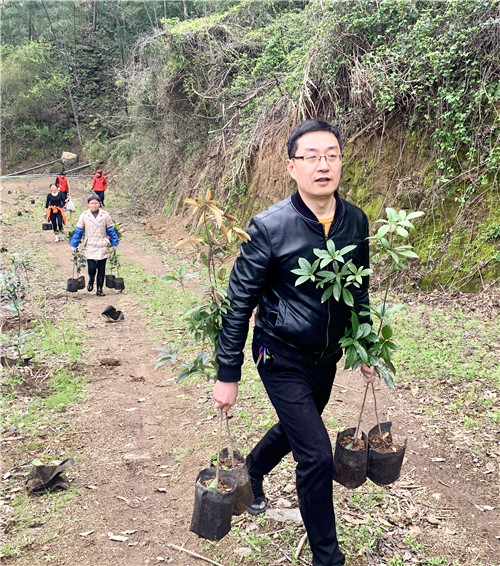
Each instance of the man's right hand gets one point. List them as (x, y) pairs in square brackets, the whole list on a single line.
[(225, 394)]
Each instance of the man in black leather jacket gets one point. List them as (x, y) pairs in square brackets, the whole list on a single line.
[(295, 342)]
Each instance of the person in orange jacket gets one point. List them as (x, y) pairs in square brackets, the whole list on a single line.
[(99, 185), (62, 183)]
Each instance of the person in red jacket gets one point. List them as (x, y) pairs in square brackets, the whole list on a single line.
[(99, 185), (62, 183)]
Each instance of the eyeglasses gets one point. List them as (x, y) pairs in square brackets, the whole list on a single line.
[(313, 159)]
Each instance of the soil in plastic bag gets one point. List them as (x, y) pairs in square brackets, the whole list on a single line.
[(385, 458), (349, 466), (244, 495)]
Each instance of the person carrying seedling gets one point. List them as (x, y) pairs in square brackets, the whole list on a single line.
[(99, 185), (296, 336), (54, 210), (100, 237)]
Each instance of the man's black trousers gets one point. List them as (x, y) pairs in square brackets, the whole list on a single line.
[(299, 392)]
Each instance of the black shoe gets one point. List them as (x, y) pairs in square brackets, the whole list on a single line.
[(260, 503), (99, 292), (90, 286)]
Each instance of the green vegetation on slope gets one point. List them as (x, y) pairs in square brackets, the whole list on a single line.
[(185, 95)]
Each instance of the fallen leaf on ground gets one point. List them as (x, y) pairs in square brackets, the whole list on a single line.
[(86, 534), (414, 531)]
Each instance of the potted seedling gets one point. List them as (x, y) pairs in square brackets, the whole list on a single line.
[(214, 499), (79, 262), (213, 239), (78, 282), (114, 263), (365, 344), (232, 464), (13, 290), (115, 282)]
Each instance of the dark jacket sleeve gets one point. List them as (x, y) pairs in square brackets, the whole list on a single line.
[(246, 284), (47, 201)]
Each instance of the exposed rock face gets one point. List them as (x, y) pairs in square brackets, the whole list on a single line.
[(68, 158)]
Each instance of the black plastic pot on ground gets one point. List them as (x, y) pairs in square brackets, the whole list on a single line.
[(72, 285), (46, 226), (349, 466), (112, 315), (244, 495), (110, 281), (81, 282), (119, 284), (384, 468), (212, 509)]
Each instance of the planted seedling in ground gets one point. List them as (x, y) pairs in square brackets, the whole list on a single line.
[(180, 275), (13, 289)]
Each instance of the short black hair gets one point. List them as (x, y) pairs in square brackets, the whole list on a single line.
[(311, 126), (93, 197)]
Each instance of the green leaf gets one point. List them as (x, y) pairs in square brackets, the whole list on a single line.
[(382, 231), (350, 357), (402, 231), (327, 294), (213, 486), (347, 249), (337, 290), (303, 279), (304, 264), (386, 332), (363, 354), (384, 373), (348, 298)]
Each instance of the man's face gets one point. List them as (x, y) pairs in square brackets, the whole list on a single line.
[(94, 206), (316, 179)]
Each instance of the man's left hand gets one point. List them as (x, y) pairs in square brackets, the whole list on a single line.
[(369, 373)]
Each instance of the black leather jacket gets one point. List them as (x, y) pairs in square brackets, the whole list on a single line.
[(289, 318)]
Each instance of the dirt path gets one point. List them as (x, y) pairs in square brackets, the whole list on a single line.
[(136, 425)]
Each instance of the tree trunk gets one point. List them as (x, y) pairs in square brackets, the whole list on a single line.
[(94, 15), (119, 34)]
